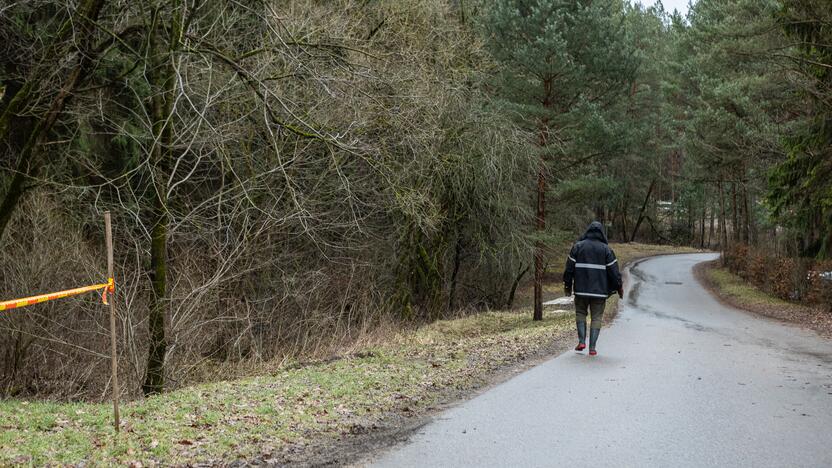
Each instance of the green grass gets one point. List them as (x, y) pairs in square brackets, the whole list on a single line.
[(261, 416), (740, 291)]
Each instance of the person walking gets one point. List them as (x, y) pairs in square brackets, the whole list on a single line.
[(592, 274)]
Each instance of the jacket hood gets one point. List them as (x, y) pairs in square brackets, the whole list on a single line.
[(595, 231)]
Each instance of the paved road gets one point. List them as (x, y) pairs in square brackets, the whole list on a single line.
[(680, 380)]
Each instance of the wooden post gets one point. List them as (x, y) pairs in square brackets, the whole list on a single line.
[(109, 236)]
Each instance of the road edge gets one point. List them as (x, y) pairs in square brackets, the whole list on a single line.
[(397, 428), (803, 317), (382, 442)]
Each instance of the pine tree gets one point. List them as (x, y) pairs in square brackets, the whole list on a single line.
[(730, 106), (801, 186), (561, 63)]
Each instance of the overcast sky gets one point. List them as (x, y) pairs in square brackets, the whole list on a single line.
[(669, 5)]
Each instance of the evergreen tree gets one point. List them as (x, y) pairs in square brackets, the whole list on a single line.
[(801, 186), (731, 107), (561, 63)]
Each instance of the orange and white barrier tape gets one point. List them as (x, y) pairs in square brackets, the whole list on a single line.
[(107, 288)]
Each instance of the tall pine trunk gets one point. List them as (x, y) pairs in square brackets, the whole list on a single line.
[(735, 220), (702, 226), (747, 211), (624, 210), (691, 226), (543, 138), (643, 208), (538, 250), (711, 229), (723, 229)]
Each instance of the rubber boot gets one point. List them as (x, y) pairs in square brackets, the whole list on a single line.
[(581, 326), (593, 340)]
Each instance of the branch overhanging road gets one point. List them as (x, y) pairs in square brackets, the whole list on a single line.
[(680, 380)]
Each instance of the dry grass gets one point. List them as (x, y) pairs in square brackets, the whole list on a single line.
[(274, 416), (290, 405), (740, 291), (736, 292)]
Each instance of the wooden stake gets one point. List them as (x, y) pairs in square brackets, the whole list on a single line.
[(109, 236)]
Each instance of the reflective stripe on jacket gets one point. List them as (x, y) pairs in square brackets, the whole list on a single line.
[(592, 269)]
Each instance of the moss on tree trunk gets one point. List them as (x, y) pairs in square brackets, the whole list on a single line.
[(155, 377)]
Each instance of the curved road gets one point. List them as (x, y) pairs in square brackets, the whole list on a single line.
[(680, 380)]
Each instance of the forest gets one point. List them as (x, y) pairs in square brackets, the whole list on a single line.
[(286, 176)]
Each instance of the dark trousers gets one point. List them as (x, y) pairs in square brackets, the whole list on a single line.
[(590, 305)]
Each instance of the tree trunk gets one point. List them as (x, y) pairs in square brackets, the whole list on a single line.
[(711, 230), (691, 228), (457, 262), (16, 104), (723, 238), (735, 235), (599, 214), (514, 285), (755, 233), (538, 254), (28, 162), (543, 138), (624, 209), (746, 211), (640, 218), (163, 81), (155, 377), (13, 195), (702, 226)]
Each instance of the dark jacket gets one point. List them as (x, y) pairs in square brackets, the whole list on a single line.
[(592, 265)]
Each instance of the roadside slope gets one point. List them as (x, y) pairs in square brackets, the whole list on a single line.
[(277, 417), (735, 292), (680, 380), (329, 411)]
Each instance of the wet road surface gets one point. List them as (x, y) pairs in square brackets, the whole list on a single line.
[(680, 380)]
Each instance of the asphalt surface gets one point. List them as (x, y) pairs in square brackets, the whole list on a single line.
[(680, 380)]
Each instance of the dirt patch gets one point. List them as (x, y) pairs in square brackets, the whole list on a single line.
[(812, 318)]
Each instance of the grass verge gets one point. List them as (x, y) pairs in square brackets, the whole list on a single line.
[(294, 411), (273, 416), (736, 292)]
